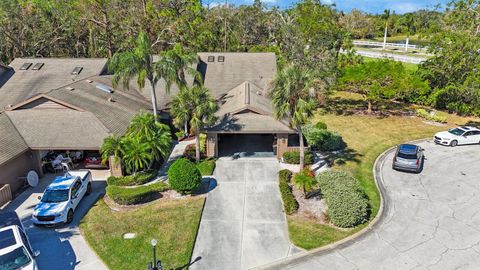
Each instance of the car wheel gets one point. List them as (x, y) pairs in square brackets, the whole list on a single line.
[(454, 143), (69, 217), (89, 189)]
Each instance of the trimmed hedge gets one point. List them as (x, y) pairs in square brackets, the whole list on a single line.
[(131, 180), (323, 139), (136, 195), (294, 157), (290, 204), (206, 167), (184, 176), (346, 201)]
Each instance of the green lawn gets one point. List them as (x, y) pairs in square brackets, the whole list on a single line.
[(367, 137), (409, 66), (173, 223)]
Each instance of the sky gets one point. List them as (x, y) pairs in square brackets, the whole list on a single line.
[(370, 6)]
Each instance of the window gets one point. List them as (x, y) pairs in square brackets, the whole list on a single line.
[(76, 70), (76, 188), (25, 66), (37, 66), (221, 59), (211, 58), (7, 239), (25, 241), (469, 133)]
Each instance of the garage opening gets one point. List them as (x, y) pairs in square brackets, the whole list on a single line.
[(246, 145)]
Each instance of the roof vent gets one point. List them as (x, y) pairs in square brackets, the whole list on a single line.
[(76, 70), (221, 58), (37, 66), (25, 66), (104, 88), (247, 93), (259, 93), (69, 88), (211, 58), (110, 99), (89, 81)]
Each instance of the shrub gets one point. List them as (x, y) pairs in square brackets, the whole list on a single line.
[(131, 180), (294, 157), (290, 204), (184, 176), (136, 195), (305, 180), (347, 204), (431, 116), (206, 167), (321, 125), (285, 175), (180, 134), (203, 143), (323, 139), (190, 152)]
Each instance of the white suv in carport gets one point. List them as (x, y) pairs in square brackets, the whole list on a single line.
[(457, 136)]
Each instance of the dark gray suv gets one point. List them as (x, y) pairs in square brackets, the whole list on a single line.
[(409, 157)]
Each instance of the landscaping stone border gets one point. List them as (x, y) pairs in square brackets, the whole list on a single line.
[(281, 264)]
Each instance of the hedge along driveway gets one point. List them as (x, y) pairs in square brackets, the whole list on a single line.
[(243, 224)]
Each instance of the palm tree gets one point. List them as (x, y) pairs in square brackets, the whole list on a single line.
[(304, 182), (139, 63), (137, 154), (180, 110), (202, 107), (386, 16), (155, 135), (182, 62), (112, 146), (292, 98)]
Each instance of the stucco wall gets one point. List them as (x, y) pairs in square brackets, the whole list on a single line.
[(15, 168)]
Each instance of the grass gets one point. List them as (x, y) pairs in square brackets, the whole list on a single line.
[(173, 224), (366, 137), (408, 66), (206, 166)]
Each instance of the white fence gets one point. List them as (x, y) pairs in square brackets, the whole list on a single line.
[(396, 57), (388, 44)]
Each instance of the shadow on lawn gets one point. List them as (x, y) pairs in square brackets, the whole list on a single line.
[(384, 108), (189, 264), (473, 123), (343, 156)]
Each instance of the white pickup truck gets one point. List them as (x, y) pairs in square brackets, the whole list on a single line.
[(15, 249)]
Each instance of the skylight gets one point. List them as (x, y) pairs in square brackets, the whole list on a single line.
[(37, 66), (211, 58), (104, 88), (221, 58), (76, 70), (25, 66)]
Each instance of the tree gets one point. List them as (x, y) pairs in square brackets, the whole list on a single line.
[(181, 110), (304, 181), (112, 146), (137, 154), (139, 63), (202, 107), (386, 17), (293, 99), (181, 62)]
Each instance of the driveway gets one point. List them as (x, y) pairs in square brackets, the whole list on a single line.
[(431, 221), (61, 247), (243, 224)]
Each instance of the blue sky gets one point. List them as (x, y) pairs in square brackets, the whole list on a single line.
[(371, 6)]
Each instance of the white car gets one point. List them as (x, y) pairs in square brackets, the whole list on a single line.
[(457, 136), (62, 197), (15, 249)]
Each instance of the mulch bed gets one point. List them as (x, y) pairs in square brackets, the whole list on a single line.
[(313, 208), (166, 195)]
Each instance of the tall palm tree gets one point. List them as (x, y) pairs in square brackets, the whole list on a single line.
[(293, 99), (182, 62), (180, 110), (112, 146), (386, 16), (202, 107), (139, 63)]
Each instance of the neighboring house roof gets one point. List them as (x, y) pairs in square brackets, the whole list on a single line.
[(11, 142), (246, 109), (58, 128), (54, 73)]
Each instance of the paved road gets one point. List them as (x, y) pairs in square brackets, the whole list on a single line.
[(62, 247), (432, 219), (243, 224)]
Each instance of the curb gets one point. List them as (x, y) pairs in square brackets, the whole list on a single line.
[(282, 263)]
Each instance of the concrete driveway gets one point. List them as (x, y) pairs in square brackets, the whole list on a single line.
[(61, 247), (432, 219), (243, 224)]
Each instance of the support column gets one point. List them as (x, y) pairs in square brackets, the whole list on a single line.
[(212, 144), (282, 144)]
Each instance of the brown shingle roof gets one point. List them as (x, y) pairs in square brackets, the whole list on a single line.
[(11, 143), (245, 96), (250, 122), (55, 72)]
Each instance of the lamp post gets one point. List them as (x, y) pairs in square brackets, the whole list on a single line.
[(155, 265)]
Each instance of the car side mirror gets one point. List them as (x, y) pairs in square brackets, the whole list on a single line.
[(39, 197), (36, 253)]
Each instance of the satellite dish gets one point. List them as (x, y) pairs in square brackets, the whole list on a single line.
[(32, 178)]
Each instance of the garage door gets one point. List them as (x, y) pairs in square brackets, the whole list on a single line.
[(246, 145)]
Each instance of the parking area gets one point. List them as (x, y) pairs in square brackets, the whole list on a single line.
[(62, 247), (431, 221)]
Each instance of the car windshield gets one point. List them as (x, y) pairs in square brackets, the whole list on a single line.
[(54, 196), (456, 131), (406, 156), (16, 259)]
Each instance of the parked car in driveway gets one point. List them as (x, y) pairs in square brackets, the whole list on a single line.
[(408, 157), (61, 198), (458, 136), (93, 160), (15, 249)]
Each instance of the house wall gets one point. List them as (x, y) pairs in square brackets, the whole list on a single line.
[(212, 145), (15, 168), (282, 144)]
